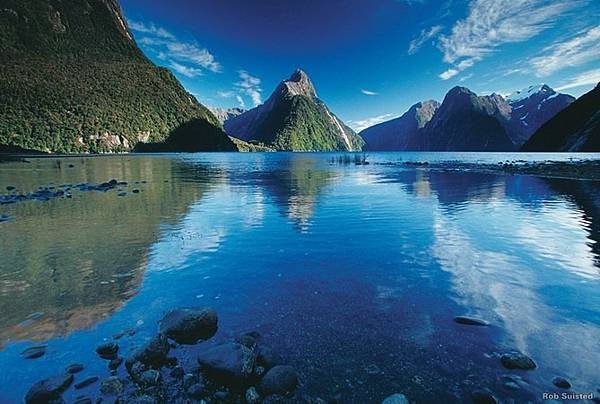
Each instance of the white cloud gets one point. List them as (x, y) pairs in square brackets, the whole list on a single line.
[(250, 86), (361, 124), (588, 78), (152, 29), (425, 35), (448, 74), (240, 101), (368, 92), (186, 70), (176, 52), (465, 77), (492, 23), (583, 48)]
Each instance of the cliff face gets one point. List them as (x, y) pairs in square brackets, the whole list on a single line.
[(74, 80)]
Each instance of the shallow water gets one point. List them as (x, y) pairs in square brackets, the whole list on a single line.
[(352, 273)]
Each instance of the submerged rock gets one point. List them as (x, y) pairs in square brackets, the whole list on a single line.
[(34, 352), (517, 360), (561, 382), (469, 321), (108, 350), (154, 353), (150, 377), (74, 368), (231, 362), (189, 325), (115, 363), (49, 389), (397, 398), (483, 396), (267, 358), (252, 396), (280, 379)]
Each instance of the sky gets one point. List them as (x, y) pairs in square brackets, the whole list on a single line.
[(370, 60)]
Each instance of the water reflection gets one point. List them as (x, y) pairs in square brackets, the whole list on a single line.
[(67, 264)]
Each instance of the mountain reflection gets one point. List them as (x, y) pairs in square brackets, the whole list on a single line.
[(69, 263)]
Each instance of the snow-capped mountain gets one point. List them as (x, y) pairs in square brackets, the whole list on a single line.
[(532, 107)]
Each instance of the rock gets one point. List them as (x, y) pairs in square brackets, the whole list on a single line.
[(115, 363), (267, 358), (136, 370), (83, 400), (142, 400), (108, 350), (189, 379), (34, 352), (111, 386), (74, 368), (86, 382), (469, 321), (154, 353), (483, 396), (136, 191), (10, 188), (517, 360), (150, 377), (280, 379), (231, 362), (49, 389), (561, 382), (397, 398), (252, 396), (189, 325), (196, 390)]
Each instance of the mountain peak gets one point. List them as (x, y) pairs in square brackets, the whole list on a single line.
[(299, 84), (530, 91)]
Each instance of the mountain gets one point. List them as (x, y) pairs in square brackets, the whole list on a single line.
[(532, 107), (224, 114), (74, 80), (468, 122), (576, 128), (401, 133), (294, 118)]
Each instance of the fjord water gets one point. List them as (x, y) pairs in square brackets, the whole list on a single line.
[(352, 273)]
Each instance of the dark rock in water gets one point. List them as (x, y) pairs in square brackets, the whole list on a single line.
[(111, 386), (83, 400), (196, 390), (154, 353), (483, 396), (34, 352), (74, 368), (469, 321), (517, 360), (122, 194), (49, 389), (126, 332), (115, 363), (268, 358), (561, 382), (108, 350), (222, 395), (397, 398), (136, 191), (280, 379), (189, 325), (252, 396), (231, 362), (4, 218), (10, 188), (150, 377), (86, 382)]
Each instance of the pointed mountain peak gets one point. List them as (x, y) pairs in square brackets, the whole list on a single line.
[(525, 93), (299, 84)]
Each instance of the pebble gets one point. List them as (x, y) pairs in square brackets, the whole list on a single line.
[(108, 350), (517, 360), (48, 390), (74, 368), (252, 396), (111, 386), (280, 379), (483, 396), (189, 325), (469, 321), (115, 363), (397, 398), (34, 352)]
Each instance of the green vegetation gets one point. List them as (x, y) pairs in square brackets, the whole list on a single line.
[(73, 81), (244, 146), (303, 124)]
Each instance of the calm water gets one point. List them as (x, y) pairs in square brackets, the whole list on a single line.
[(352, 273)]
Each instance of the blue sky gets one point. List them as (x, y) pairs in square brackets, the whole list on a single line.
[(370, 60)]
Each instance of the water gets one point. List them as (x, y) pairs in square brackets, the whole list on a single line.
[(352, 273)]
